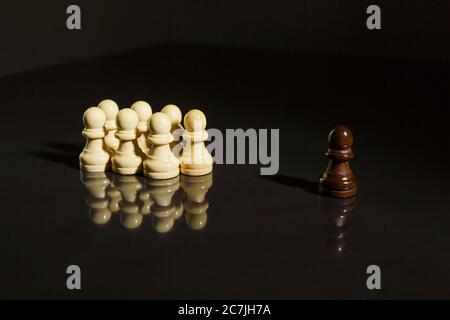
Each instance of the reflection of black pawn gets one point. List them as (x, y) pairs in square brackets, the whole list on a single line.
[(335, 221), (195, 203), (96, 183)]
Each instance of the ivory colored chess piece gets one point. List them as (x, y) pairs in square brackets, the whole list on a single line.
[(144, 112), (195, 159), (94, 158), (174, 114), (96, 183), (127, 160), (111, 110), (160, 163), (195, 203), (163, 210), (338, 179)]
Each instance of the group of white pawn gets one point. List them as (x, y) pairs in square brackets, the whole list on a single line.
[(134, 140)]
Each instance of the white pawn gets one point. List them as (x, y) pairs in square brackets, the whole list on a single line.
[(126, 160), (160, 163), (111, 110), (144, 112), (174, 114), (94, 158), (195, 159)]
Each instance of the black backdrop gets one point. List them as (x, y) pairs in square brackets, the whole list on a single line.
[(34, 34), (306, 66)]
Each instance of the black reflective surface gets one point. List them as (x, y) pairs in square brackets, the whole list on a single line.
[(251, 236)]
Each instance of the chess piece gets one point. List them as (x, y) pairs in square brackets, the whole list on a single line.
[(335, 222), (195, 159), (160, 163), (338, 179), (96, 183), (126, 160), (94, 158), (174, 114), (195, 203), (163, 210), (111, 110), (144, 112)]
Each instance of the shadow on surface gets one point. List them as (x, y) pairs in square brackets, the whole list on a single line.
[(65, 153), (65, 147), (308, 186)]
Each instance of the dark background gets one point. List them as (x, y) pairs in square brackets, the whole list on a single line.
[(302, 67), (34, 34)]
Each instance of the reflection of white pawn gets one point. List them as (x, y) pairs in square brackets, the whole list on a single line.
[(195, 159), (126, 160), (195, 203), (111, 109), (96, 183), (144, 112), (160, 163), (129, 187), (146, 200), (130, 216), (94, 158), (163, 210), (114, 197), (177, 201), (174, 114)]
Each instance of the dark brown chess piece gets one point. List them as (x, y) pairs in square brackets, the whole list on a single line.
[(338, 179)]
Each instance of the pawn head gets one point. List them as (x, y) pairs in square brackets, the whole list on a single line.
[(340, 138), (143, 110), (94, 118), (127, 119), (160, 123), (110, 108), (174, 114), (195, 121)]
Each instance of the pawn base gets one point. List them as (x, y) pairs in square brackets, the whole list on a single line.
[(162, 175), (337, 193), (196, 172), (126, 171), (93, 168)]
